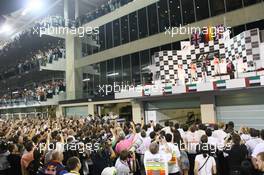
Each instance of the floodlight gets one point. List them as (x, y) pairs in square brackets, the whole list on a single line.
[(33, 6), (5, 28)]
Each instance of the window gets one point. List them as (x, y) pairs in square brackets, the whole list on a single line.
[(166, 47), (118, 70), (176, 46), (163, 15), (133, 26), (233, 4), (135, 68), (126, 69), (110, 71), (187, 11), (103, 73), (257, 24), (88, 88), (153, 20), (144, 63), (124, 30), (250, 2), (96, 68), (116, 31), (202, 9), (142, 23), (217, 7), (102, 37), (238, 29), (109, 35), (175, 13)]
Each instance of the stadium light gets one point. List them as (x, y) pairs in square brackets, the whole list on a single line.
[(33, 6), (5, 28)]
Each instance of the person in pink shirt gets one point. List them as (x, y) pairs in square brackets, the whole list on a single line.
[(125, 143), (27, 157)]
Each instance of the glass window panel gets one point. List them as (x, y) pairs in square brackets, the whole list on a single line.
[(166, 47), (238, 29), (257, 24), (116, 31), (135, 68), (102, 37), (88, 88), (144, 63), (175, 12), (202, 9), (188, 11), (153, 20), (163, 15), (126, 69), (110, 71), (142, 23), (124, 30), (109, 35), (133, 26), (97, 77), (233, 4), (250, 2), (118, 70), (176, 46), (217, 7), (103, 73), (95, 50)]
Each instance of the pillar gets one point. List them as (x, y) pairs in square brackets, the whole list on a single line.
[(66, 11), (208, 112), (77, 9), (73, 76), (137, 111), (91, 109)]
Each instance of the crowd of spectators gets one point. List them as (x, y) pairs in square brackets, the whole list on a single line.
[(110, 6), (34, 61), (40, 92), (98, 146)]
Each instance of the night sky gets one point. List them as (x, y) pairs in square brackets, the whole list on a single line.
[(9, 6)]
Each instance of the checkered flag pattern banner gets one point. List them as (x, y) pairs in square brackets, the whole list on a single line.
[(244, 45)]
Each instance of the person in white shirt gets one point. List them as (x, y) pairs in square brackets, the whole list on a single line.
[(156, 161), (253, 141), (122, 165), (204, 164), (201, 130), (211, 140), (192, 140), (258, 149), (244, 134), (167, 127), (219, 133), (173, 166)]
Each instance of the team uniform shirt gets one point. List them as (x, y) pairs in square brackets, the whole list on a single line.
[(192, 140), (220, 135), (207, 168), (252, 143), (245, 137), (213, 141), (200, 133), (157, 163), (173, 165), (259, 148)]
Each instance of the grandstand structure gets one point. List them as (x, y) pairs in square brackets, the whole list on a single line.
[(130, 63)]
